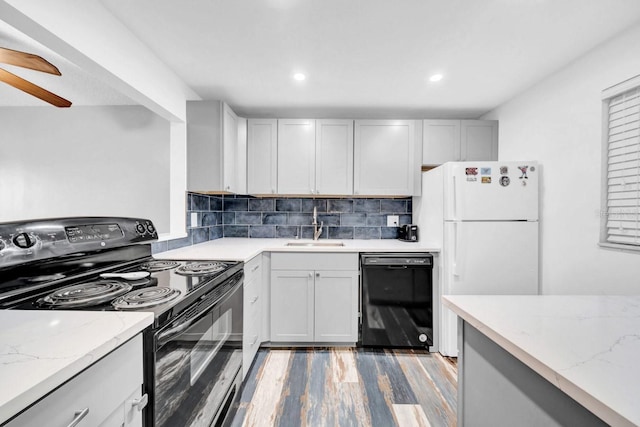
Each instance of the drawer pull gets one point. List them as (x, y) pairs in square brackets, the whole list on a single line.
[(254, 340), (255, 268), (140, 404), (78, 416), (254, 299)]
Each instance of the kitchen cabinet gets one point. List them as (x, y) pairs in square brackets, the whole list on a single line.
[(252, 311), (108, 393), (334, 157), (315, 157), (314, 298), (384, 161), (459, 140), (262, 152), (215, 156), (296, 156)]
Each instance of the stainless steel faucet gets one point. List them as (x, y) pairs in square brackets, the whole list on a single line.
[(316, 231)]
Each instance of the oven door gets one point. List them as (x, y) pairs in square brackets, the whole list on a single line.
[(198, 358)]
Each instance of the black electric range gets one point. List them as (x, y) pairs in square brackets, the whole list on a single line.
[(192, 351)]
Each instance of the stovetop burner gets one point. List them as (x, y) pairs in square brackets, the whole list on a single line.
[(159, 265), (203, 268), (146, 297), (85, 294)]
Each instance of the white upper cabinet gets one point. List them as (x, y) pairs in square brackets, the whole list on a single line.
[(459, 140), (296, 156), (440, 141), (262, 156), (479, 140), (384, 157), (301, 157), (334, 157), (214, 156)]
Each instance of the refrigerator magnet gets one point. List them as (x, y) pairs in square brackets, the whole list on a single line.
[(485, 171), (523, 170), (504, 170), (504, 181), (471, 171), (486, 180), (471, 178)]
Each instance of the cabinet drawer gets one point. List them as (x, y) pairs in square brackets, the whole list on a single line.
[(314, 261), (253, 269), (104, 388)]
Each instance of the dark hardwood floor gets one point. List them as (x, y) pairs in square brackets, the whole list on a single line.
[(348, 387)]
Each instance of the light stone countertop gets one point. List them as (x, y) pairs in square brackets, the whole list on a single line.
[(587, 346), (243, 249), (40, 350)]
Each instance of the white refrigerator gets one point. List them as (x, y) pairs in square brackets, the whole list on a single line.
[(484, 216)]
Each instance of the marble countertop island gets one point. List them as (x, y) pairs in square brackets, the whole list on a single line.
[(40, 350), (243, 249), (587, 346)]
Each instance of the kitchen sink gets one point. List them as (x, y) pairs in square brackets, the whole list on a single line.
[(315, 243)]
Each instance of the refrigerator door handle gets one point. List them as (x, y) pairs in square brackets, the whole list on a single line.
[(455, 199), (456, 249)]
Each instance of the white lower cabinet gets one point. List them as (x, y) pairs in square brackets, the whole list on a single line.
[(335, 306), (252, 312), (108, 393), (314, 298)]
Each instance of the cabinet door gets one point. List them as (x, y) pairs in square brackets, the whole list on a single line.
[(229, 149), (291, 306), (336, 306), (383, 157), (334, 157), (252, 313), (262, 149), (479, 140), (204, 146), (296, 156), (440, 141)]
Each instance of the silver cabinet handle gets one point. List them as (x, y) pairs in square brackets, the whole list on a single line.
[(254, 340), (254, 299), (310, 274), (255, 268), (78, 416), (318, 275), (140, 403)]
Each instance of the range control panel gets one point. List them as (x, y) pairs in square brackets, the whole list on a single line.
[(34, 240)]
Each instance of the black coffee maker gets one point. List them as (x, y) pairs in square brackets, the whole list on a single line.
[(408, 233)]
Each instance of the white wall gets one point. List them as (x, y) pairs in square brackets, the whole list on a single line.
[(103, 161), (558, 122)]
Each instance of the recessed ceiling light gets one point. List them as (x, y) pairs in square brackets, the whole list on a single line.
[(436, 78), (299, 77)]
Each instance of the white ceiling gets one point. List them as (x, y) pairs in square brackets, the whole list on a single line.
[(365, 58)]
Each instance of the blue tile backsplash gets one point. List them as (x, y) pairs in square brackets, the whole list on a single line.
[(252, 217)]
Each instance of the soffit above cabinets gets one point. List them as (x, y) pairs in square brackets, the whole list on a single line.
[(74, 84)]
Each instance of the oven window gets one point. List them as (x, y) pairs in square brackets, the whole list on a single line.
[(196, 367), (210, 344)]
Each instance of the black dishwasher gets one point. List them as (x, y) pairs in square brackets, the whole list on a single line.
[(397, 300)]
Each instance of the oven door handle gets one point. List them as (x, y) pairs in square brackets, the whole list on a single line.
[(181, 324), (165, 336)]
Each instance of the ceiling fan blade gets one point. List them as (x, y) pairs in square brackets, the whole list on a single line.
[(32, 89), (27, 60)]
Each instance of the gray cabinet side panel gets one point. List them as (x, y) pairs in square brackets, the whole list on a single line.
[(499, 390)]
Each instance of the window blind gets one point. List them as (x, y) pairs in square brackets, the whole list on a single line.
[(623, 169)]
